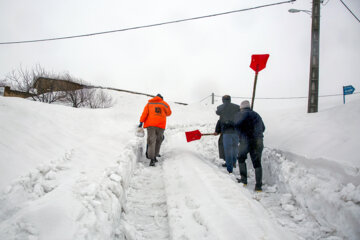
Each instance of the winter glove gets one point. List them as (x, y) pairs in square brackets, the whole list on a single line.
[(140, 125)]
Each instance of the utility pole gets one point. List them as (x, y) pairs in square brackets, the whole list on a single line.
[(313, 98)]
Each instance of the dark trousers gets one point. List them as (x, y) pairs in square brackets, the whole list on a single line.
[(255, 148), (221, 147)]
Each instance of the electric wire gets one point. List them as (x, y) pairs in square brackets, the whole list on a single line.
[(145, 26), (279, 98), (324, 4), (350, 11), (205, 98)]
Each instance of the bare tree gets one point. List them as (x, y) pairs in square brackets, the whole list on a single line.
[(22, 79), (101, 100), (79, 96), (49, 97), (76, 97), (3, 83)]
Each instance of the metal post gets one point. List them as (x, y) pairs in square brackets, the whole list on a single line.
[(212, 98), (313, 98)]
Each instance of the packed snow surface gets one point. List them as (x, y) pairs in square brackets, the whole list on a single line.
[(81, 174)]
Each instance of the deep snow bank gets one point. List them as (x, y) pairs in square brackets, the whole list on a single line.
[(332, 134), (64, 170), (318, 193)]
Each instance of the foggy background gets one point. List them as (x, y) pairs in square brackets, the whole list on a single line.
[(185, 61)]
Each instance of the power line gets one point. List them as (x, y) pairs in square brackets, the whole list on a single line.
[(350, 11), (146, 26), (278, 98), (324, 4), (205, 98)]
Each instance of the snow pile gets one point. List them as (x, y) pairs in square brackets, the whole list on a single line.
[(331, 134), (103, 202), (81, 174), (71, 168), (333, 206)]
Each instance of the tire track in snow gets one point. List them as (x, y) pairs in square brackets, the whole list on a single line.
[(205, 202), (280, 203), (145, 212)]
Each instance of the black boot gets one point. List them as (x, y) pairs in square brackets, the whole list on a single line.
[(152, 163), (258, 178), (243, 173), (146, 154)]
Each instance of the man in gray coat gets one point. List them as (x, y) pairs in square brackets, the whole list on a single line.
[(227, 112)]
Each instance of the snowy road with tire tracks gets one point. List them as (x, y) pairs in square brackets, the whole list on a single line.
[(145, 214), (187, 197)]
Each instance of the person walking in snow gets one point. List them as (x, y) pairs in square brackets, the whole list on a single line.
[(154, 120), (227, 112), (251, 128), (220, 141)]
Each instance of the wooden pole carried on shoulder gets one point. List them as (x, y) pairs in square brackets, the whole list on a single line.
[(254, 90), (258, 63)]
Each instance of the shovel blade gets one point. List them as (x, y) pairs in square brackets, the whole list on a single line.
[(193, 135)]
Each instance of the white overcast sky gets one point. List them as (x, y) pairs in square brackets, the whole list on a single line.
[(187, 61)]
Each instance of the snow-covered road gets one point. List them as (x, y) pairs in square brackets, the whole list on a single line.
[(210, 200), (203, 201), (200, 200), (145, 212), (92, 181)]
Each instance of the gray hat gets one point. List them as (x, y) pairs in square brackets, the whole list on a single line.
[(245, 104)]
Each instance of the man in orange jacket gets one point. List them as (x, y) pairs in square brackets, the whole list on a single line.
[(154, 120)]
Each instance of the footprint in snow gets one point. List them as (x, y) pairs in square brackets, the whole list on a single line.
[(190, 203)]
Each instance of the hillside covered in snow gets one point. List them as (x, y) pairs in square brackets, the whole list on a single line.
[(69, 173)]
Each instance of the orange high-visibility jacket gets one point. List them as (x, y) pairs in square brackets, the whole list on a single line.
[(155, 113)]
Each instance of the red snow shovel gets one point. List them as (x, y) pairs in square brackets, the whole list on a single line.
[(196, 135)]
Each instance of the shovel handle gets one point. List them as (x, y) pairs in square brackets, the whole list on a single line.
[(208, 134)]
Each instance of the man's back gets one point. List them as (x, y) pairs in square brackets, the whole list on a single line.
[(250, 124), (227, 112), (155, 113)]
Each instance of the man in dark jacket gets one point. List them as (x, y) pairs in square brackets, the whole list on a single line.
[(220, 142), (227, 112), (250, 127)]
